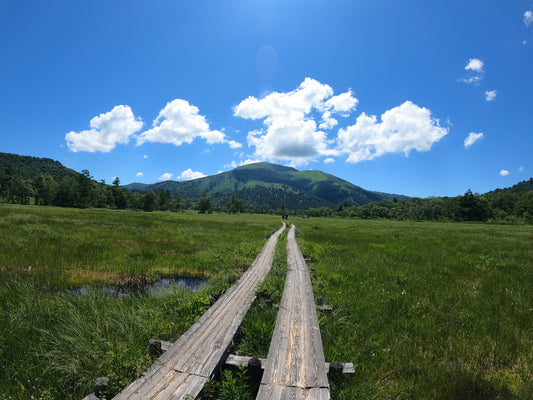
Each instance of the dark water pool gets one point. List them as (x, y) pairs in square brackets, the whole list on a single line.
[(159, 287)]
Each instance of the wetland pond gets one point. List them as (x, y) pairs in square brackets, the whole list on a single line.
[(159, 287)]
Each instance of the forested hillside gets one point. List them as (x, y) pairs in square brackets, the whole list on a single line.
[(264, 186), (28, 167), (42, 181)]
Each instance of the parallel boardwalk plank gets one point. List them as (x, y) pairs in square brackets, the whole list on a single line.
[(295, 367), (183, 369)]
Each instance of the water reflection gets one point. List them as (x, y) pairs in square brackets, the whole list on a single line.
[(159, 287)]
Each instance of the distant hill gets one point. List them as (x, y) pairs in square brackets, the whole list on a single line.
[(31, 167), (264, 186), (524, 186)]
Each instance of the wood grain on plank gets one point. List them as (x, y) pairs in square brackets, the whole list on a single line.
[(295, 367)]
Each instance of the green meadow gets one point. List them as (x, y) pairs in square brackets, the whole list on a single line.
[(425, 310), (422, 310)]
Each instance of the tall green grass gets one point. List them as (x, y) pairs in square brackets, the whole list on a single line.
[(73, 247), (52, 343), (52, 346), (425, 310), (255, 333)]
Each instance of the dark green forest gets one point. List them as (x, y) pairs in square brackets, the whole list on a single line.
[(41, 181), (513, 205)]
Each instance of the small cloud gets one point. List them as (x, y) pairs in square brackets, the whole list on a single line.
[(165, 177), (329, 160), (490, 95), (189, 174), (145, 156), (472, 138), (521, 169), (139, 174), (475, 64), (235, 164), (504, 172), (475, 68), (528, 17), (234, 145), (472, 79)]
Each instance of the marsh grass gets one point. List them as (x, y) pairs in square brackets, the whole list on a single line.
[(254, 335), (52, 343), (71, 247), (425, 310)]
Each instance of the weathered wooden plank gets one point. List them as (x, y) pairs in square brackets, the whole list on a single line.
[(294, 393), (183, 369), (295, 366)]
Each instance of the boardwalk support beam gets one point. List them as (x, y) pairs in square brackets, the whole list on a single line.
[(154, 348), (255, 371)]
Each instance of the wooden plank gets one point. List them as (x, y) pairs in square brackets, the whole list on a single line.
[(242, 361), (183, 369), (295, 367)]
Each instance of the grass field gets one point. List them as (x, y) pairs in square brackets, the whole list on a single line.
[(426, 310), (423, 310), (53, 344)]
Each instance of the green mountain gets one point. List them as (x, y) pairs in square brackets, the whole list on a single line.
[(264, 186), (31, 167)]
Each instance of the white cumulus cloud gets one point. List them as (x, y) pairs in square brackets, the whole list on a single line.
[(180, 122), (504, 172), (290, 130), (402, 129), (233, 144), (189, 174), (472, 138), (107, 129), (165, 177), (490, 95), (475, 64), (528, 17), (139, 174), (475, 69)]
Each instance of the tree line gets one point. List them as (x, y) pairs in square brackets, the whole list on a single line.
[(514, 205), (82, 191), (511, 206)]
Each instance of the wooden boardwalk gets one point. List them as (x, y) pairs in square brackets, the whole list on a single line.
[(295, 367), (181, 372)]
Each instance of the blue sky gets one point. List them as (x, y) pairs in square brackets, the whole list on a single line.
[(421, 98)]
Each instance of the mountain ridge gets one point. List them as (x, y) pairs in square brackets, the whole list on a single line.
[(265, 185)]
